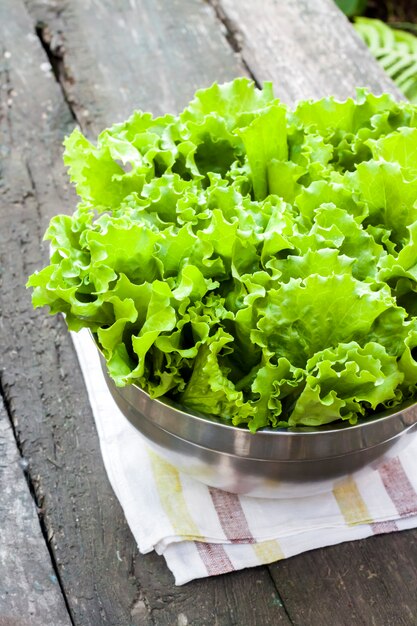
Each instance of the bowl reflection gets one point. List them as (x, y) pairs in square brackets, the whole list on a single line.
[(268, 463)]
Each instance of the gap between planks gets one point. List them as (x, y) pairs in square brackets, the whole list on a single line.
[(38, 592)]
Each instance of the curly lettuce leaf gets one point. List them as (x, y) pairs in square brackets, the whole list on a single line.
[(344, 382), (304, 316), (255, 263)]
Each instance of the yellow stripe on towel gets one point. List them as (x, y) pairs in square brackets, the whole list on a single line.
[(351, 504), (168, 484), (268, 551)]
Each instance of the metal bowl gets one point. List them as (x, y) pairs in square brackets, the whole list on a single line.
[(268, 463)]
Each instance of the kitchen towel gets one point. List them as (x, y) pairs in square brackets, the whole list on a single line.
[(203, 531)]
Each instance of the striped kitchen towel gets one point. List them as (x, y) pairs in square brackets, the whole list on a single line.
[(203, 531)]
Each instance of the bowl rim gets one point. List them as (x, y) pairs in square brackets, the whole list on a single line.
[(202, 419), (329, 430)]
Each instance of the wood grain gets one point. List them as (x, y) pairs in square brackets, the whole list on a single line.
[(40, 376), (29, 589), (244, 598), (308, 49), (366, 583), (134, 54), (105, 580)]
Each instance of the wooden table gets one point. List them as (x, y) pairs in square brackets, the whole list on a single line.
[(66, 553)]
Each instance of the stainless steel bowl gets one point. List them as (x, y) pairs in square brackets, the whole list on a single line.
[(269, 463)]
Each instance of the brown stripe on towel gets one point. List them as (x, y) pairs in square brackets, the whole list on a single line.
[(214, 557), (399, 487), (379, 528), (231, 516)]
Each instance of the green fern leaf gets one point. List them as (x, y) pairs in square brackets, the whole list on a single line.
[(352, 7), (396, 50)]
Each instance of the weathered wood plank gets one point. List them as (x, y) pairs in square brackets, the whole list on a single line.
[(29, 589), (105, 580), (367, 583), (308, 49), (245, 598), (40, 377), (161, 52)]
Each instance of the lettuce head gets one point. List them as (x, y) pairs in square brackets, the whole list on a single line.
[(250, 261)]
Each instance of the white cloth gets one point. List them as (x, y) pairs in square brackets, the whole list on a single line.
[(203, 531)]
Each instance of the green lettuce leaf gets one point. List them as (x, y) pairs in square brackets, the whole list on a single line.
[(343, 383), (255, 263)]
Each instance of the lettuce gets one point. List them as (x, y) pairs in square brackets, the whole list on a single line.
[(249, 261)]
